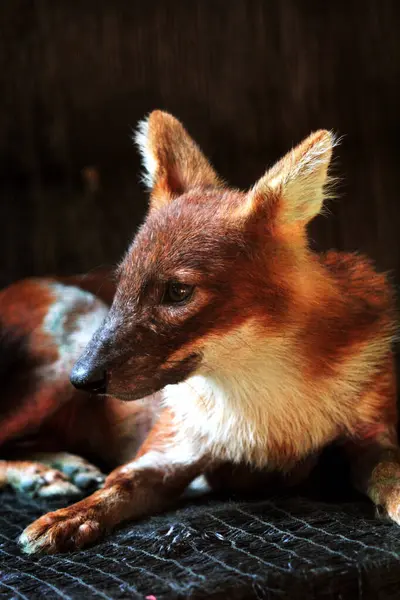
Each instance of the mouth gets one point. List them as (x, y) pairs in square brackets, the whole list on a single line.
[(171, 376), (125, 397)]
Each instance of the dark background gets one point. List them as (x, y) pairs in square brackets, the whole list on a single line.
[(248, 79)]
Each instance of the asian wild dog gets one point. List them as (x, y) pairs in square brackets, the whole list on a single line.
[(262, 352)]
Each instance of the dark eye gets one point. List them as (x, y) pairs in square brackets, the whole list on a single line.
[(177, 293)]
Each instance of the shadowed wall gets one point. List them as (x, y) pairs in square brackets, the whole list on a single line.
[(248, 79)]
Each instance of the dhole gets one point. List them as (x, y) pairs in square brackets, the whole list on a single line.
[(263, 351)]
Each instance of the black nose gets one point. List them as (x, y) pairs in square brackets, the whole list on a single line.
[(94, 381)]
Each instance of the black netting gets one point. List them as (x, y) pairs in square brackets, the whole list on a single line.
[(280, 548)]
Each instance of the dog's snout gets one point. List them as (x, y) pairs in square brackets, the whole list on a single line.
[(89, 380)]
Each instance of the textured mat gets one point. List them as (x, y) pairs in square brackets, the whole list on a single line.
[(280, 548)]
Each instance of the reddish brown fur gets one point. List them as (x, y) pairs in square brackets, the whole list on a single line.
[(23, 307), (13, 305), (364, 306)]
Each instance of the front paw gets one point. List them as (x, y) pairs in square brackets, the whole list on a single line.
[(84, 475), (64, 530)]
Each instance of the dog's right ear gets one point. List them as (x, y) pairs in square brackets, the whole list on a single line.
[(172, 160)]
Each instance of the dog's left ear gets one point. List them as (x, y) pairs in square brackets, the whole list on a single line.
[(172, 160), (295, 188)]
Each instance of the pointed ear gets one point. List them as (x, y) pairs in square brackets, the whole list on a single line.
[(172, 160), (297, 185)]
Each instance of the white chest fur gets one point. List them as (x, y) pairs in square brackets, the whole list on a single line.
[(244, 403)]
